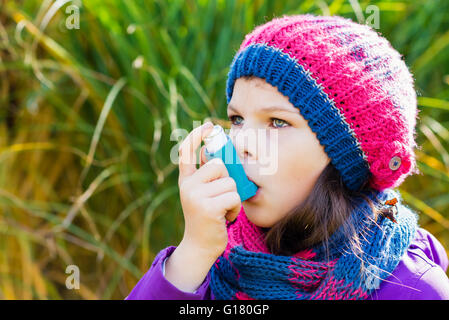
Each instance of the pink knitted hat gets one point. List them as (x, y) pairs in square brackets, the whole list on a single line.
[(351, 86)]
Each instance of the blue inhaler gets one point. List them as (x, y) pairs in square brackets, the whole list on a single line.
[(219, 145)]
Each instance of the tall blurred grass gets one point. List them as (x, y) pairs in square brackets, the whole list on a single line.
[(87, 116)]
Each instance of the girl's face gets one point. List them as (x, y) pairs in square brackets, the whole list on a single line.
[(295, 156)]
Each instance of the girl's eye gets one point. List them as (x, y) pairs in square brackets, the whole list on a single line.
[(231, 118), (280, 121), (275, 121)]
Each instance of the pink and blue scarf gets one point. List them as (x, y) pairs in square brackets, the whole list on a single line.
[(247, 270)]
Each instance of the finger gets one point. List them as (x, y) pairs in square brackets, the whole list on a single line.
[(219, 186), (187, 149), (233, 214), (203, 157), (230, 203), (212, 170)]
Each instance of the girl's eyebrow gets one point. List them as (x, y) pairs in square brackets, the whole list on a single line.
[(267, 109)]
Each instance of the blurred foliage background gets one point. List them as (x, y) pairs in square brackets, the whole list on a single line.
[(87, 116)]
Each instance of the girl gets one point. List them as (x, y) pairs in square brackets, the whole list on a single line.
[(327, 223)]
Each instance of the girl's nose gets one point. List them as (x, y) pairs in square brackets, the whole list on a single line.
[(245, 143)]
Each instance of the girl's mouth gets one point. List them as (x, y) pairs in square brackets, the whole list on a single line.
[(253, 182), (256, 196)]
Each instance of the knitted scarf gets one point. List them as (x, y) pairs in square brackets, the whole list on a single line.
[(246, 269)]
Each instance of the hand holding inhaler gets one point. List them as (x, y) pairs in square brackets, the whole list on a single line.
[(219, 145), (208, 196)]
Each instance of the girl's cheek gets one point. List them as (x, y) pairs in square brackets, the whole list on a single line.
[(232, 134)]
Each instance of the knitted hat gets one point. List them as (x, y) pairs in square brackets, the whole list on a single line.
[(351, 86)]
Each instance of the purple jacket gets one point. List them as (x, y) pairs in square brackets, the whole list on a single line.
[(420, 275)]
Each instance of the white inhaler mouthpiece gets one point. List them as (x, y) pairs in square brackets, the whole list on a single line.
[(219, 145), (216, 139)]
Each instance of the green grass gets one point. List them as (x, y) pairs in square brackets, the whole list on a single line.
[(86, 119)]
